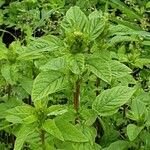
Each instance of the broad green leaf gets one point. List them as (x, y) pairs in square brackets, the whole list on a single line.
[(47, 83), (118, 145), (118, 69), (119, 38), (86, 146), (22, 136), (76, 63), (70, 132), (95, 25), (54, 64), (140, 62), (138, 110), (14, 119), (7, 73), (75, 19), (89, 116), (125, 30), (126, 80), (147, 43), (3, 53), (3, 50), (38, 46), (30, 119), (26, 84), (110, 100), (3, 109), (56, 110), (22, 111), (148, 5), (50, 127), (100, 68), (107, 70), (21, 114), (133, 131)]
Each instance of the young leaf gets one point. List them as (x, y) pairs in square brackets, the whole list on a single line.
[(75, 19), (95, 25), (50, 127), (76, 63), (108, 102), (133, 131), (47, 83)]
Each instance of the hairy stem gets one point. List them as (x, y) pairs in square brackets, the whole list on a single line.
[(43, 139), (97, 85), (77, 95)]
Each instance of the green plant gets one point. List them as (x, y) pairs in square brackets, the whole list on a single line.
[(85, 88)]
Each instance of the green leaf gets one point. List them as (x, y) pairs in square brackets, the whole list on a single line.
[(118, 145), (108, 102), (14, 119), (56, 110), (21, 114), (76, 63), (127, 10), (54, 64), (70, 132), (148, 5), (133, 131), (7, 73), (47, 83), (26, 84), (22, 136), (50, 127), (138, 110), (118, 69), (119, 38), (140, 62), (38, 46), (22, 111), (107, 70), (95, 25), (75, 19), (3, 50)]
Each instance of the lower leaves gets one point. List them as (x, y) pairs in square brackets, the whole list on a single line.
[(133, 131), (109, 101)]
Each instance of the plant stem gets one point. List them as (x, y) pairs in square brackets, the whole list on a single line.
[(43, 139), (98, 125), (97, 85), (77, 95)]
